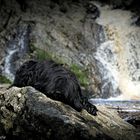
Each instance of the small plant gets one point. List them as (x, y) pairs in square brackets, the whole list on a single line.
[(81, 74), (4, 80), (40, 54)]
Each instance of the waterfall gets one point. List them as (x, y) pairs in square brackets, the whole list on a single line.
[(118, 58), (7, 66), (16, 50), (105, 60)]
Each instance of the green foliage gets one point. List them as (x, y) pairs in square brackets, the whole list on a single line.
[(81, 74), (3, 80), (40, 54)]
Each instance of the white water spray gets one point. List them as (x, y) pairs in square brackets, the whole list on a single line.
[(118, 58), (16, 50), (7, 67)]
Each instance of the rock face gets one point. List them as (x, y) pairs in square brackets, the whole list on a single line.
[(69, 36), (28, 114), (80, 33)]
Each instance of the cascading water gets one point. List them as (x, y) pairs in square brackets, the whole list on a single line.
[(8, 66), (118, 58), (16, 50), (105, 61)]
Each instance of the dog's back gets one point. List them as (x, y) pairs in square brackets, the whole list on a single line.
[(51, 79), (55, 81)]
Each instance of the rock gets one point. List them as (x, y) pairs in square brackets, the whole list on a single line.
[(26, 113), (71, 41), (137, 22), (92, 10), (132, 117), (119, 3)]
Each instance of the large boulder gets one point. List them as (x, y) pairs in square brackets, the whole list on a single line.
[(26, 113)]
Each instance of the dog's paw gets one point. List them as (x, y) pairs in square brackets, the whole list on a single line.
[(91, 108)]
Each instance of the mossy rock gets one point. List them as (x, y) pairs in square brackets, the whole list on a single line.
[(40, 54), (81, 74), (3, 80)]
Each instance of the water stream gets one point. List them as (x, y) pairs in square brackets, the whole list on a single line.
[(8, 66), (17, 48)]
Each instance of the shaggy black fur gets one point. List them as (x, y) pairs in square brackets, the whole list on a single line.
[(55, 81)]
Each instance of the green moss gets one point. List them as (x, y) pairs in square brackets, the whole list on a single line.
[(81, 74), (3, 79), (40, 54)]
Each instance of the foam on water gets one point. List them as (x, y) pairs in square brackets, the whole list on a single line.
[(16, 50), (118, 58)]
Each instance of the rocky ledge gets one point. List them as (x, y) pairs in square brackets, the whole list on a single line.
[(26, 113)]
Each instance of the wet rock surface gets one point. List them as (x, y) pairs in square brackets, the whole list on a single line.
[(72, 33), (28, 114)]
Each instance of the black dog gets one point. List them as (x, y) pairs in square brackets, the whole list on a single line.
[(55, 81)]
